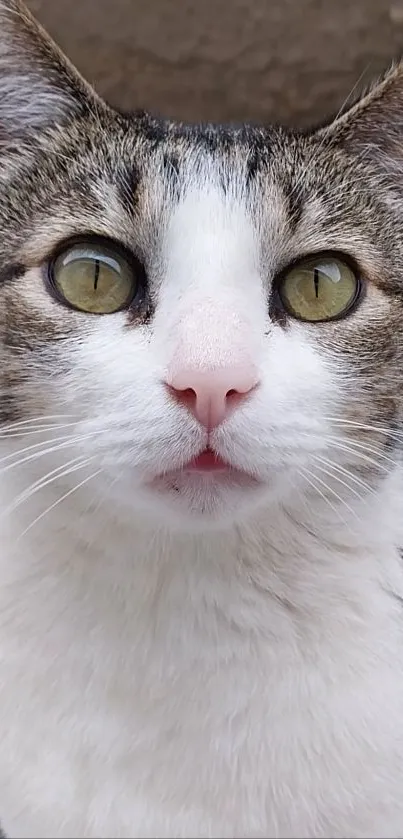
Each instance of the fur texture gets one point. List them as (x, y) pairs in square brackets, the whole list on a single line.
[(187, 657)]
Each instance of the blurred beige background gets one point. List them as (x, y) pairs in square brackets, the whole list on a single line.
[(291, 61)]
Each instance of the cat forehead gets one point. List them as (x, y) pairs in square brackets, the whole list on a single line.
[(140, 147), (124, 177), (139, 158), (120, 170)]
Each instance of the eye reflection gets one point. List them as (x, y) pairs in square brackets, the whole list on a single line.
[(319, 289), (94, 278)]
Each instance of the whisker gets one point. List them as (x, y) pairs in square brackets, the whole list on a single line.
[(63, 442), (304, 472), (339, 480), (32, 447), (379, 429), (59, 501), (335, 494), (60, 472), (11, 435), (33, 420), (356, 448), (344, 471)]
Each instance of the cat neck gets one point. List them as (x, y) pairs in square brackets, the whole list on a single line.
[(326, 563)]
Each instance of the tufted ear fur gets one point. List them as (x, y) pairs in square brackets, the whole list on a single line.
[(38, 85), (373, 126)]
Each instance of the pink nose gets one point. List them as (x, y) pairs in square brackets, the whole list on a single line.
[(211, 395)]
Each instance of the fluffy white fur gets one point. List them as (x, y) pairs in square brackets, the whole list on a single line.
[(205, 661)]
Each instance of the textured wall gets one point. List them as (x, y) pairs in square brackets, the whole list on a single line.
[(292, 61)]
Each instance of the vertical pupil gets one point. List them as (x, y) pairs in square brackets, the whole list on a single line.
[(316, 281), (96, 274)]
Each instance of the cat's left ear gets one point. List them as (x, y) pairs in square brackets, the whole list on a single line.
[(374, 125), (38, 85)]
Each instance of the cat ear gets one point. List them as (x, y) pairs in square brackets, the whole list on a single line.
[(38, 85), (373, 126)]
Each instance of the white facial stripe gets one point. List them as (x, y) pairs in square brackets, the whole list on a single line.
[(211, 306)]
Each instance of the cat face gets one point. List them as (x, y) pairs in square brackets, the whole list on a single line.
[(214, 314)]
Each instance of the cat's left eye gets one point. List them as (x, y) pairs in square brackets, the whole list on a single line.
[(319, 288), (94, 277)]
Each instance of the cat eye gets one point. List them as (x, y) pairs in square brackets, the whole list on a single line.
[(94, 277), (319, 288)]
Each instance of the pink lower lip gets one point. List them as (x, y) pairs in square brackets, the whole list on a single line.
[(207, 461)]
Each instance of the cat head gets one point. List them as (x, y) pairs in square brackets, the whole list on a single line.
[(170, 294)]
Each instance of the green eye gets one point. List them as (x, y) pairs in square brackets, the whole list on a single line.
[(93, 277), (319, 288)]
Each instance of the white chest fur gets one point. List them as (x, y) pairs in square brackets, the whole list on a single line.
[(154, 685)]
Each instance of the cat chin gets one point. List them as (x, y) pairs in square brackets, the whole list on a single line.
[(192, 505)]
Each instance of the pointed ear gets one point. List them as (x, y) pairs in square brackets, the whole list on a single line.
[(373, 126), (38, 85)]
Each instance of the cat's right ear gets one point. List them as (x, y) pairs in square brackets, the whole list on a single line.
[(373, 126), (38, 85)]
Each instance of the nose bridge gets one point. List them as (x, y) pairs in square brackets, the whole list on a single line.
[(211, 336), (211, 313)]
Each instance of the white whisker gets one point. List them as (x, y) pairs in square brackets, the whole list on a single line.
[(33, 420), (304, 472), (61, 443), (33, 446), (59, 501), (355, 448), (336, 477), (344, 471), (379, 429), (56, 474), (10, 435), (335, 494)]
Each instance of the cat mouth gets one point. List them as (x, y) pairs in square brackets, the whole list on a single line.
[(207, 468), (205, 483), (206, 461)]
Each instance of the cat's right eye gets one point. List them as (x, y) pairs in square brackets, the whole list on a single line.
[(320, 288), (94, 277)]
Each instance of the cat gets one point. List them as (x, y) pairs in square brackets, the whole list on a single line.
[(201, 483)]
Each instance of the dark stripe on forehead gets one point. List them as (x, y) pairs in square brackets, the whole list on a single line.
[(127, 184), (170, 162), (258, 151), (171, 170), (295, 199), (253, 164)]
